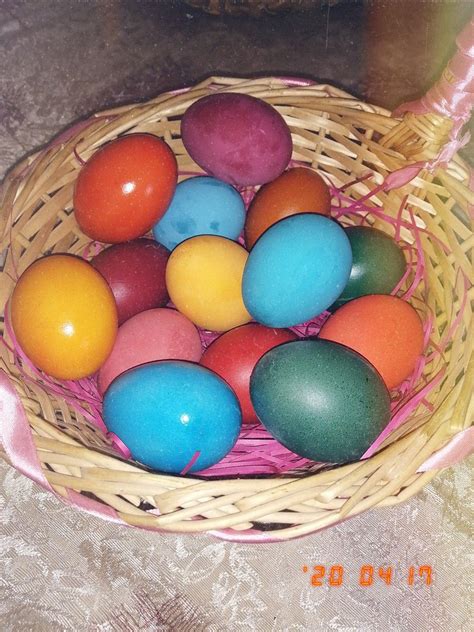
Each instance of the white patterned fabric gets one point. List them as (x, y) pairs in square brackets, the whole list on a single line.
[(66, 570)]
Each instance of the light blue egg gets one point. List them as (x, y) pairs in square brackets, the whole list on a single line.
[(296, 270), (201, 206), (167, 411)]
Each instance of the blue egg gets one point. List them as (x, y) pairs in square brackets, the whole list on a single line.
[(296, 270), (167, 411), (201, 206)]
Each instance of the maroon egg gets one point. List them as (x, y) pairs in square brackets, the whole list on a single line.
[(237, 138), (135, 271)]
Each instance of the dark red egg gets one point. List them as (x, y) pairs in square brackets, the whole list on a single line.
[(234, 355), (135, 271)]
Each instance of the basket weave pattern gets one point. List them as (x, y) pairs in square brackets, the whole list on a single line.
[(345, 139)]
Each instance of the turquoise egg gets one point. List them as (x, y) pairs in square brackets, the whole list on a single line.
[(296, 270), (167, 411), (201, 206), (320, 399)]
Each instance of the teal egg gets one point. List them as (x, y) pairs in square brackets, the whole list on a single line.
[(320, 399), (378, 264)]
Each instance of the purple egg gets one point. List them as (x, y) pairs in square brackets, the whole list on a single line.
[(237, 138)]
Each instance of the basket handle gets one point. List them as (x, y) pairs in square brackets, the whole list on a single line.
[(452, 96), (434, 137)]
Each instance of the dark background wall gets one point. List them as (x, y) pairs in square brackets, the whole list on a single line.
[(63, 59)]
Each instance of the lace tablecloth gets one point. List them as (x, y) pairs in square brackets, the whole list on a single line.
[(65, 570)]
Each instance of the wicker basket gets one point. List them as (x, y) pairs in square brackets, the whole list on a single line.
[(343, 138), (255, 8)]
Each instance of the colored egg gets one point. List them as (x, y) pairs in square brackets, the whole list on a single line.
[(297, 268), (64, 316), (157, 334), (234, 355), (201, 206), (167, 412), (135, 272), (298, 190), (320, 400), (125, 187), (378, 264), (384, 329), (237, 138), (204, 280)]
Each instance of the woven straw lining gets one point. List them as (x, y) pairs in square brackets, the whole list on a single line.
[(343, 138)]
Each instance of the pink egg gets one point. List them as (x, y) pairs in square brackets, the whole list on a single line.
[(157, 334)]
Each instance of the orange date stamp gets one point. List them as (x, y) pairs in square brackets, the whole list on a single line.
[(368, 575)]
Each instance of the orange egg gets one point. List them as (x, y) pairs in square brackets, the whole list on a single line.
[(298, 190), (384, 329), (64, 316)]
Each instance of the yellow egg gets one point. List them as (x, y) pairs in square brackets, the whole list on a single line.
[(64, 316), (204, 280)]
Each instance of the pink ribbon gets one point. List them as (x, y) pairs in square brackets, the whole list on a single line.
[(17, 441), (119, 445), (15, 434), (460, 447)]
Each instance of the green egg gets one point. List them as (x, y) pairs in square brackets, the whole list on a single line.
[(320, 399), (378, 264)]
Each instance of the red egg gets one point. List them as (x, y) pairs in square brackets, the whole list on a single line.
[(157, 334), (125, 188), (234, 355), (135, 271)]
